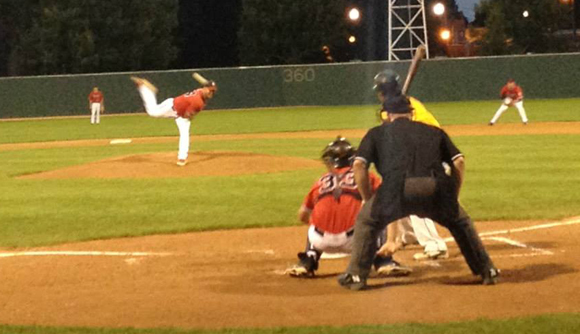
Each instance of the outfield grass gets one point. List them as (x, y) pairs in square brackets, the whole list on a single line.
[(508, 177), (273, 120), (547, 324)]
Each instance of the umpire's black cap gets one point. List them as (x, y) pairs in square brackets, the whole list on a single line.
[(387, 83), (398, 104)]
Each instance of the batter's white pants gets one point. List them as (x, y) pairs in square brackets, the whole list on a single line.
[(423, 231), (329, 242), (165, 110), (519, 105), (95, 113)]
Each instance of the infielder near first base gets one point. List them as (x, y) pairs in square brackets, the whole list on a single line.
[(511, 95), (183, 108)]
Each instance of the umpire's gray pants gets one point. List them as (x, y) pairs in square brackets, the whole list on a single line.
[(367, 229)]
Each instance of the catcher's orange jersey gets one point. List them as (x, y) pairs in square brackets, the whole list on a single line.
[(95, 97), (189, 104), (334, 201)]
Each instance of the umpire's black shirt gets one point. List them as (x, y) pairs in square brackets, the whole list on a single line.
[(406, 148)]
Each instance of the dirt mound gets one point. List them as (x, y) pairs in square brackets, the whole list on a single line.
[(162, 165)]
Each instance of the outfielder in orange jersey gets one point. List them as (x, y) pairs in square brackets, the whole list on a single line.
[(330, 208), (182, 108), (96, 105), (511, 95)]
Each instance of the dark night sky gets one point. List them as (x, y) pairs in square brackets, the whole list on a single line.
[(208, 31)]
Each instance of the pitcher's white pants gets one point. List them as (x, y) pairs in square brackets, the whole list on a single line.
[(95, 113), (519, 105), (165, 110), (425, 233)]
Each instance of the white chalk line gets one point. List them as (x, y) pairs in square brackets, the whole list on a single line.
[(81, 253), (571, 221), (535, 251)]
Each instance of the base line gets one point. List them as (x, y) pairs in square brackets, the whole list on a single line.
[(80, 253)]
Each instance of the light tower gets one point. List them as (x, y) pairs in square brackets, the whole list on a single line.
[(407, 28)]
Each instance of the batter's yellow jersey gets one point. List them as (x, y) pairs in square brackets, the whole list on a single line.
[(420, 114)]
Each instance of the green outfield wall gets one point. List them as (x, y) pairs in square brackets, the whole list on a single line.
[(541, 76)]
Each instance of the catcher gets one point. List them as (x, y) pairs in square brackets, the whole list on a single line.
[(183, 108), (512, 95), (330, 208)]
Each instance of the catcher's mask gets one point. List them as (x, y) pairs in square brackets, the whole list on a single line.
[(387, 83), (339, 153)]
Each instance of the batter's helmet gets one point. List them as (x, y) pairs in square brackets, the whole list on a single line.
[(339, 153), (387, 82)]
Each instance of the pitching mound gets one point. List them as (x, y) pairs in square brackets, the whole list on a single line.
[(162, 165)]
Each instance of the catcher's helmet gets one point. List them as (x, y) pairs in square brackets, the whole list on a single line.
[(387, 82), (339, 153)]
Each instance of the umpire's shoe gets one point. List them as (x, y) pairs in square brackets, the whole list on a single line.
[(490, 276), (352, 282)]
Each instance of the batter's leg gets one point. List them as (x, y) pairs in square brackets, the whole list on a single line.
[(183, 124), (520, 106), (428, 237), (498, 113)]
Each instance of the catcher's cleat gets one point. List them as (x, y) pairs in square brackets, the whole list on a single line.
[(352, 282), (435, 255), (305, 267), (140, 81), (490, 276), (393, 269), (181, 162)]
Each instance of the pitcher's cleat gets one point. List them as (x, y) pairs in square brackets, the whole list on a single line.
[(181, 162)]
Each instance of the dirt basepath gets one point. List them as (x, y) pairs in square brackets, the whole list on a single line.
[(453, 130), (234, 279)]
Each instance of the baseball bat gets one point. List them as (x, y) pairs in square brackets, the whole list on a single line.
[(419, 54), (203, 81)]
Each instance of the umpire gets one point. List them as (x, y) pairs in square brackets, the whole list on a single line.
[(422, 173)]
